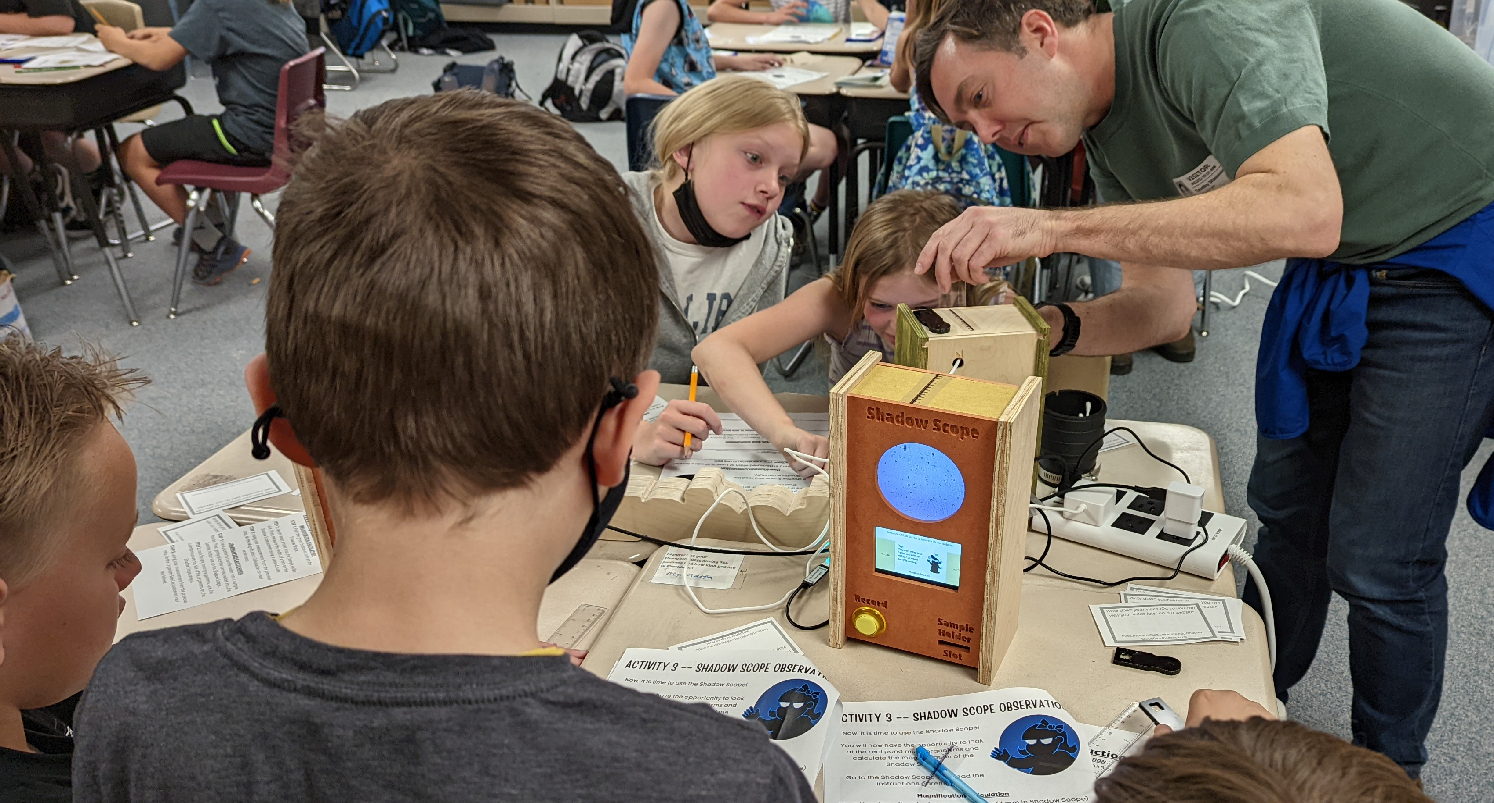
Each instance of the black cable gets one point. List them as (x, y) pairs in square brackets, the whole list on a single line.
[(788, 609), (662, 542), (1038, 561), (1139, 442)]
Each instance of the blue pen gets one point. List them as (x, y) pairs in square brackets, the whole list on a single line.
[(946, 775)]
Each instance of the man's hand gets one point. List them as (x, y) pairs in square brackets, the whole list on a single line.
[(793, 12), (1221, 705), (664, 440), (804, 443), (981, 237), (110, 37), (755, 62)]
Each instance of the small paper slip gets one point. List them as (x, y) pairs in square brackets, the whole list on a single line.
[(225, 564), (764, 634), (796, 34), (865, 78), (1224, 618), (1116, 440), (707, 569), (783, 693), (747, 458), (655, 410), (200, 527), (60, 60), (233, 493), (1181, 622), (863, 32), (785, 77)]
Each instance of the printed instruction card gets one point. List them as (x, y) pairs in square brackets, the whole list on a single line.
[(216, 565), (784, 693), (1009, 745), (234, 493)]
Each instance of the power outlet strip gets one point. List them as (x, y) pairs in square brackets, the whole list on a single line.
[(1133, 528)]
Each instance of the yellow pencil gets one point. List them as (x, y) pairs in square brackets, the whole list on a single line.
[(97, 15), (694, 382)]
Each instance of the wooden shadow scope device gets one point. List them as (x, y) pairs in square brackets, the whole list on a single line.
[(930, 481)]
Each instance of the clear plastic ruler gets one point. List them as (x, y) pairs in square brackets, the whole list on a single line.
[(577, 625)]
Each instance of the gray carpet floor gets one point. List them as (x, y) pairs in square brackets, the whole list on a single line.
[(196, 403)]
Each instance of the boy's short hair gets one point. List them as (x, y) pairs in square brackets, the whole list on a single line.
[(49, 403), (1255, 761), (456, 278), (887, 240)]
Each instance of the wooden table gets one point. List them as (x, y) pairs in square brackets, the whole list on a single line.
[(734, 36)]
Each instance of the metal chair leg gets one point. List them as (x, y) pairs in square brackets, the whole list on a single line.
[(378, 66), (4, 194), (196, 202), (1203, 316), (795, 363), (345, 67), (258, 206), (119, 287), (60, 229), (116, 209), (230, 213)]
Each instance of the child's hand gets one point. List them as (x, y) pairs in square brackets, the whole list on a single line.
[(109, 36), (147, 34), (793, 12), (575, 656), (1222, 705), (804, 443), (757, 62), (664, 440)]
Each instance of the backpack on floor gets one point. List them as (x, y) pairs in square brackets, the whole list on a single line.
[(505, 81), (588, 85), (360, 24), (417, 18)]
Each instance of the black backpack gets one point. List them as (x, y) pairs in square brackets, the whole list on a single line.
[(622, 16), (588, 85), (457, 76)]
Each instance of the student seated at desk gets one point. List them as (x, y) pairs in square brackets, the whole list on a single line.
[(67, 509), (819, 11), (725, 151), (668, 54), (469, 382), (854, 311), (246, 42), (1234, 751)]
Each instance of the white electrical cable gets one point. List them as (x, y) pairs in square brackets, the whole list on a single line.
[(1224, 300), (1243, 558), (954, 367)]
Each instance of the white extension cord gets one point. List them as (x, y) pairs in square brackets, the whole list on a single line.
[(1224, 300), (1243, 558)]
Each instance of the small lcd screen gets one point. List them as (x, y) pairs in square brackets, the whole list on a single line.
[(918, 557)]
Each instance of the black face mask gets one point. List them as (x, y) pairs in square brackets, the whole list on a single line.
[(695, 220), (602, 508)]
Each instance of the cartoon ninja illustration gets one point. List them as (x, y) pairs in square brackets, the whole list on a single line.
[(934, 564), (794, 716), (1046, 751)]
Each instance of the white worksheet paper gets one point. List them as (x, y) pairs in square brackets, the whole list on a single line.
[(784, 693), (747, 458), (1109, 745), (1126, 625), (707, 569), (220, 565), (1223, 616), (67, 58), (764, 634), (1008, 744), (785, 77), (76, 41), (796, 34), (234, 493), (200, 527)]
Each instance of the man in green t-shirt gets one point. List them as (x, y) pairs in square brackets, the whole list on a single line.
[(1351, 137)]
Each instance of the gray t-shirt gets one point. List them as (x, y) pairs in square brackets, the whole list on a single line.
[(249, 711), (247, 42)]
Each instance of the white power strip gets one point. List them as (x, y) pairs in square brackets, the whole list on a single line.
[(1133, 527)]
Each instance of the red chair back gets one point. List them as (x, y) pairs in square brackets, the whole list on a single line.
[(301, 91)]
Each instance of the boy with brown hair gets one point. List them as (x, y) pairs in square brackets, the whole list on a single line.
[(457, 324), (67, 509)]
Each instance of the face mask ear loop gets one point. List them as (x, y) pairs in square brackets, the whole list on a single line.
[(259, 434)]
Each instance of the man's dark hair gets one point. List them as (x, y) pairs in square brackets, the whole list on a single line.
[(987, 24)]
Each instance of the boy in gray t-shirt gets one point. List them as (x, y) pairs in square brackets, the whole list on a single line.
[(246, 42), (472, 432)]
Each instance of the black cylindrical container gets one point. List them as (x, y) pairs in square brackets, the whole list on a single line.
[(1073, 420)]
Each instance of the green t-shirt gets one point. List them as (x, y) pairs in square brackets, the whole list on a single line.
[(1202, 85)]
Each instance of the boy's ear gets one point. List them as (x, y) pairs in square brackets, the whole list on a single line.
[(257, 379), (614, 441)]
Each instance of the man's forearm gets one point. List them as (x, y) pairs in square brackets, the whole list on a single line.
[(1153, 306)]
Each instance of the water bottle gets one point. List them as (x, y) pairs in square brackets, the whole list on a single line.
[(490, 77)]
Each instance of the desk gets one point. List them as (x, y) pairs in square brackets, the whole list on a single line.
[(601, 583), (734, 36), (834, 67), (1056, 648), (867, 111)]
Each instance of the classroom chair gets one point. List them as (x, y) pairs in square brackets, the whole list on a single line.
[(301, 90), (639, 112)]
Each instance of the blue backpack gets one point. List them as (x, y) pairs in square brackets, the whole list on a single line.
[(358, 25)]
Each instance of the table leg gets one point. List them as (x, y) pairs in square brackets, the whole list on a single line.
[(61, 258), (90, 208), (853, 181)]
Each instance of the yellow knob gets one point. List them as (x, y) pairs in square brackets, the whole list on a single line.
[(869, 622)]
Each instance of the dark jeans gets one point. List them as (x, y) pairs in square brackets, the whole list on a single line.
[(1362, 502)]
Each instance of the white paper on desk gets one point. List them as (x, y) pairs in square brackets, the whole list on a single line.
[(217, 566), (796, 34), (863, 32), (1009, 744), (12, 40), (1109, 745), (785, 77), (786, 694), (747, 458), (200, 527), (707, 569), (1181, 622), (1116, 440), (67, 58), (655, 409), (764, 634), (1224, 614), (234, 493), (77, 41)]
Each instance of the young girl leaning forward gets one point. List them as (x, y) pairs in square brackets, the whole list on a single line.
[(725, 151), (854, 310)]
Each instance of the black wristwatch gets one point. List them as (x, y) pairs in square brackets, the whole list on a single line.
[(1070, 329)]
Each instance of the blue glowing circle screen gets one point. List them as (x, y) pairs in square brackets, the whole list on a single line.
[(920, 482)]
